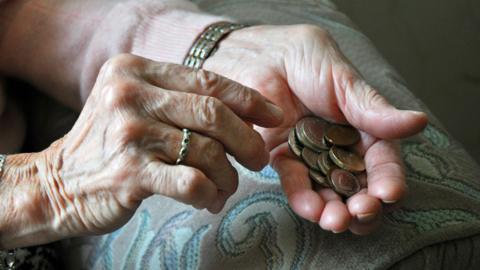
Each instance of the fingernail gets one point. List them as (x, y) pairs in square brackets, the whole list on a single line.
[(275, 110), (389, 201), (417, 113), (365, 218), (335, 232)]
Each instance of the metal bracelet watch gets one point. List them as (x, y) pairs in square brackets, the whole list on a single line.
[(206, 43)]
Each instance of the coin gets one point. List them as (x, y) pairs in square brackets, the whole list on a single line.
[(293, 144), (344, 182), (310, 158), (342, 135), (324, 163), (346, 160), (318, 143), (310, 132), (318, 178), (326, 143)]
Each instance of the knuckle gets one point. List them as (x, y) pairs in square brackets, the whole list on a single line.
[(212, 150), (250, 100), (211, 112), (130, 131), (308, 30), (191, 185), (131, 197), (121, 62), (207, 81), (120, 93)]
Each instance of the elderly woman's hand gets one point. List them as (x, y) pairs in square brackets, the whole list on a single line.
[(125, 143), (301, 69)]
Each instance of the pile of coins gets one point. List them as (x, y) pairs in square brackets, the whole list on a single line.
[(323, 147)]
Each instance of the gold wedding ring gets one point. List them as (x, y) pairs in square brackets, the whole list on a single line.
[(184, 147)]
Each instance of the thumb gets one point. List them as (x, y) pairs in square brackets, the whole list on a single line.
[(369, 111)]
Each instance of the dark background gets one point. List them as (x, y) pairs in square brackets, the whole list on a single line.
[(435, 46)]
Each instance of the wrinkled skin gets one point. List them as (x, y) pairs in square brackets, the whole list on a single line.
[(301, 69), (123, 147)]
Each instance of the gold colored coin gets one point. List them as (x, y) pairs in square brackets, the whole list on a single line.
[(346, 160), (342, 135), (344, 182), (293, 144), (324, 163), (318, 178), (310, 132), (310, 158), (326, 144)]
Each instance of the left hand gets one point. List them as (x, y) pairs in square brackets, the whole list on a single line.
[(301, 69)]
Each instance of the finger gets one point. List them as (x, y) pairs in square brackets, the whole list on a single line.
[(364, 207), (366, 140), (335, 216), (362, 179), (361, 228), (367, 110), (385, 171), (387, 155), (204, 153), (328, 194), (244, 101), (182, 183), (296, 184), (219, 202), (210, 117)]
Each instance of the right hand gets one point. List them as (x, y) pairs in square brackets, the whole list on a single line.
[(124, 144)]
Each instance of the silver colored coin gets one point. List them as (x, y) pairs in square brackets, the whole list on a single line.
[(293, 144), (310, 132)]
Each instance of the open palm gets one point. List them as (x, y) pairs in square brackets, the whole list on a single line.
[(301, 69)]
